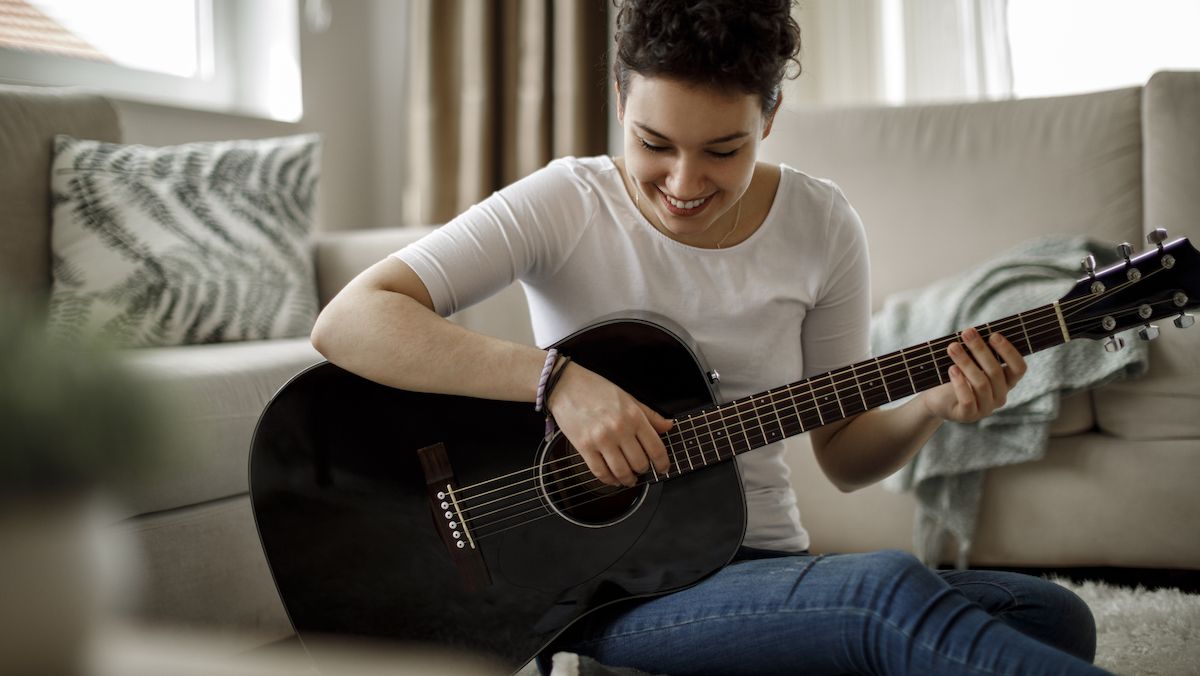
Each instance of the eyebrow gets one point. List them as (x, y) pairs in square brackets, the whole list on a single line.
[(719, 139)]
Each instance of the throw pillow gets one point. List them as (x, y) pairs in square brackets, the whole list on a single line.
[(196, 243)]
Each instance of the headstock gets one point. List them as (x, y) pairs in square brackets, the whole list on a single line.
[(1157, 283)]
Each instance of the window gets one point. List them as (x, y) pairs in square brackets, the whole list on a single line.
[(1067, 46), (224, 55)]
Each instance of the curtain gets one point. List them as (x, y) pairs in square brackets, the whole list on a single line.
[(497, 89), (902, 51)]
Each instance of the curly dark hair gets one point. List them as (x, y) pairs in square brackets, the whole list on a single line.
[(746, 45)]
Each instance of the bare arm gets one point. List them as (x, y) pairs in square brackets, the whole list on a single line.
[(861, 450), (382, 327)]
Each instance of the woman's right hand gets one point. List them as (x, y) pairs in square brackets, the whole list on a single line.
[(615, 434)]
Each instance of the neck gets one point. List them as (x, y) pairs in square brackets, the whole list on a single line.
[(718, 433)]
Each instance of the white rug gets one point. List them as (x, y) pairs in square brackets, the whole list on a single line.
[(1143, 632)]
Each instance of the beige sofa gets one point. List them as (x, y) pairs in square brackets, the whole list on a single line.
[(939, 188)]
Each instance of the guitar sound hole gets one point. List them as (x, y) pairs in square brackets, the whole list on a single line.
[(571, 490)]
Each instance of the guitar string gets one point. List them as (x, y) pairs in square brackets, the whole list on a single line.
[(705, 420), (478, 517), (835, 386), (1075, 324), (479, 534), (699, 418)]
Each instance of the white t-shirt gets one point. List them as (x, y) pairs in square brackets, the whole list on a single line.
[(789, 302)]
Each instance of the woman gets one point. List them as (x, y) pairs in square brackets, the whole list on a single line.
[(766, 269)]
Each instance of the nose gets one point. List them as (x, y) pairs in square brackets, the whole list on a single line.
[(686, 178)]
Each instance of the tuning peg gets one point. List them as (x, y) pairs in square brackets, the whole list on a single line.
[(1126, 250), (1089, 265), (1114, 343), (1157, 236), (1184, 321), (1148, 332)]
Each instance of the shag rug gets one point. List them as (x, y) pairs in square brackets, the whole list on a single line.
[(1141, 632)]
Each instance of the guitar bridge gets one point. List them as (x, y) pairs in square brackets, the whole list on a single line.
[(450, 520)]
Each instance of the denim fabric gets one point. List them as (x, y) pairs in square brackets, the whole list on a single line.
[(878, 613)]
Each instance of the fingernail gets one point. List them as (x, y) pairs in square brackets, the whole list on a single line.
[(970, 334)]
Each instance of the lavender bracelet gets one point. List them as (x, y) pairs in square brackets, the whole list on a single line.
[(551, 359)]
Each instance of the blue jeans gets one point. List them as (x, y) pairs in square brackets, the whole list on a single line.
[(878, 613)]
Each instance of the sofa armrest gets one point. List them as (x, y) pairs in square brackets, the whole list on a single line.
[(341, 255)]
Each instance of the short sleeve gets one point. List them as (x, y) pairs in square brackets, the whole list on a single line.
[(836, 329), (523, 231)]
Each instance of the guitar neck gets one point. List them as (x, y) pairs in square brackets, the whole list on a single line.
[(718, 433)]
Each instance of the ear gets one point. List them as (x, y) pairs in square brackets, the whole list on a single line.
[(619, 100), (771, 116)]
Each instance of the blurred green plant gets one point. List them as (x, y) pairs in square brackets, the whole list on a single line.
[(71, 418)]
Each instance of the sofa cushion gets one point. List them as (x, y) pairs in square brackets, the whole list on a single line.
[(1164, 403), (215, 394), (30, 117), (941, 188), (197, 243)]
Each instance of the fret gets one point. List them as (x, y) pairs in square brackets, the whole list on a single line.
[(739, 420), (883, 379), (777, 413), (687, 452), (715, 431), (827, 405), (745, 435), (806, 407), (1025, 332), (752, 425), (794, 400), (907, 371), (858, 385), (937, 369)]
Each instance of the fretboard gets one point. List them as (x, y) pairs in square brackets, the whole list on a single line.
[(718, 433)]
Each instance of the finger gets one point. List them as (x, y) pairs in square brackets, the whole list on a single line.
[(1014, 363), (619, 459), (661, 424), (980, 384), (987, 361), (652, 444), (599, 467), (968, 406)]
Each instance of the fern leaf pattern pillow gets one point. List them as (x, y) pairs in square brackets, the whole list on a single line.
[(196, 243)]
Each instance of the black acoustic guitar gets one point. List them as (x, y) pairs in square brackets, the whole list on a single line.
[(449, 520)]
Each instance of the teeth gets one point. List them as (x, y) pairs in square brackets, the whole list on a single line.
[(690, 204)]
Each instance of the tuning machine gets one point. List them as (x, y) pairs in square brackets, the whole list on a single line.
[(1089, 266), (1156, 237), (1148, 332), (1184, 320), (1125, 249), (1114, 343)]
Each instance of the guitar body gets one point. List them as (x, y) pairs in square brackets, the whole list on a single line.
[(343, 508)]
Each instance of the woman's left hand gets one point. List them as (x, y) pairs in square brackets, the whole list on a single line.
[(979, 382)]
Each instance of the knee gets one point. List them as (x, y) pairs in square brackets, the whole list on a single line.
[(1078, 626), (896, 564)]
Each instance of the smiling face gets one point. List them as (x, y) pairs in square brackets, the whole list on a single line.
[(690, 152)]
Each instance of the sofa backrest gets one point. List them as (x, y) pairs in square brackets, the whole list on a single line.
[(943, 187), (30, 117)]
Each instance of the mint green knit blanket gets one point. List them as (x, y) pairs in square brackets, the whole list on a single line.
[(946, 476)]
